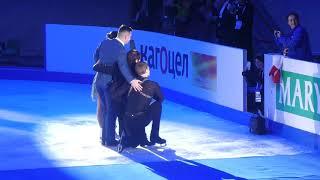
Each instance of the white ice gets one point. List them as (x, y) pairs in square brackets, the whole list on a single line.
[(46, 124)]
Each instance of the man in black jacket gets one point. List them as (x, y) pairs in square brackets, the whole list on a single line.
[(139, 111), (255, 80)]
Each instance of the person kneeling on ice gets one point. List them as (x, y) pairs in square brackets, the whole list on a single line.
[(140, 111)]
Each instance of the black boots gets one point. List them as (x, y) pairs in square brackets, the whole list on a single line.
[(145, 142), (157, 140)]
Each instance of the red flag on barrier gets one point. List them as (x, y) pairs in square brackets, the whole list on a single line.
[(275, 71)]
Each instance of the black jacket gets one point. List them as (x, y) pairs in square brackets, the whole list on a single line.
[(140, 101)]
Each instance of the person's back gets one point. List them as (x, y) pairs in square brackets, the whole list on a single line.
[(107, 56), (139, 101), (107, 46)]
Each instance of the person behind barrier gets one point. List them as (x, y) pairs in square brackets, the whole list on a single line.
[(257, 123), (235, 23), (255, 81), (109, 52), (139, 112), (295, 44)]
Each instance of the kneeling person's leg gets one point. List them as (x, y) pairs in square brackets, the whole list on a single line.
[(154, 113)]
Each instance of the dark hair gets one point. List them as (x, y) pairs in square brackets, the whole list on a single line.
[(141, 68), (124, 28), (293, 14), (112, 34), (133, 57), (260, 58)]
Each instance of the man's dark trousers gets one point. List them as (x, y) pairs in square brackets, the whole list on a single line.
[(109, 115)]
